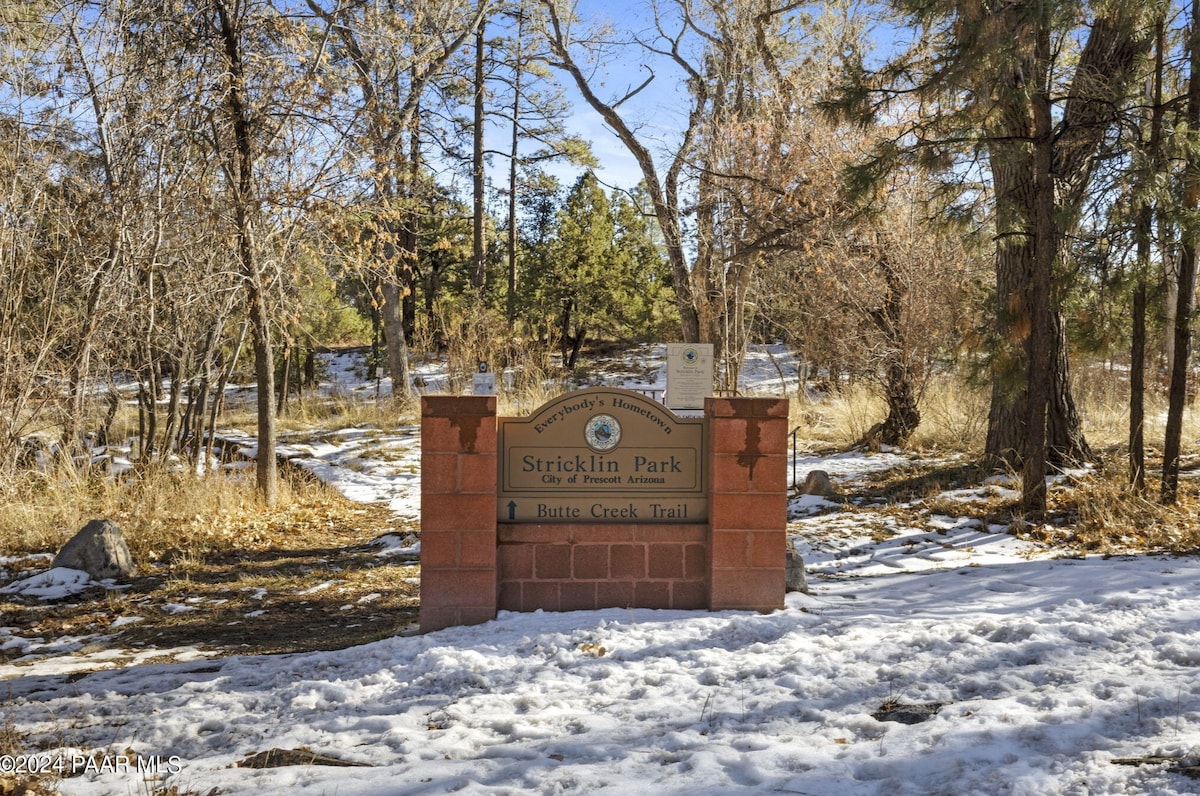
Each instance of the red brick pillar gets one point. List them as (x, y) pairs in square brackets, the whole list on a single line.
[(747, 508), (458, 510)]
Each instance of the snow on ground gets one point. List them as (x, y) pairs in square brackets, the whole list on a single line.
[(931, 657)]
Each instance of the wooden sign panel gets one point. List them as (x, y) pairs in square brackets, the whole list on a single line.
[(602, 455)]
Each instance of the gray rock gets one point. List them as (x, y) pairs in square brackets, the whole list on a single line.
[(98, 549), (818, 483), (796, 580)]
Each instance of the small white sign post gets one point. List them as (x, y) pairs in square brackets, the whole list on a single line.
[(484, 381), (689, 375)]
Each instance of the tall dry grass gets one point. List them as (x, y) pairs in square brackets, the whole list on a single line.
[(1102, 394), (953, 416), (1110, 518), (158, 510)]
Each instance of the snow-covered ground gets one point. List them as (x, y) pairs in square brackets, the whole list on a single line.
[(932, 656)]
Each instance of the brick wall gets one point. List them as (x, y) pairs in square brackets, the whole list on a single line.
[(584, 567)]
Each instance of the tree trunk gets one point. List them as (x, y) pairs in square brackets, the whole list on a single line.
[(1039, 298), (513, 155), (664, 194), (245, 202), (397, 343), (1177, 395), (1137, 387), (478, 253), (285, 376), (900, 389), (1142, 236)]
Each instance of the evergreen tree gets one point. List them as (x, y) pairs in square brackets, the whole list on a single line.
[(1033, 88), (581, 269)]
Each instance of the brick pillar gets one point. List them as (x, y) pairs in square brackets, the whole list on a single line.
[(458, 510), (747, 508)]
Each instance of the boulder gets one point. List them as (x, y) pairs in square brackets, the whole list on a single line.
[(818, 483), (98, 549), (796, 580)]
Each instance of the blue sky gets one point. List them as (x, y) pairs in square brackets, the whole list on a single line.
[(657, 112)]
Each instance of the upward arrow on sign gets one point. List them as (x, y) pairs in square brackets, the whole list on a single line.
[(512, 509)]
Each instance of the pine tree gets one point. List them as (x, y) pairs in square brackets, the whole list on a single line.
[(1002, 82)]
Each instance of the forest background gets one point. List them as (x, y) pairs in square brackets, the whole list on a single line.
[(922, 193)]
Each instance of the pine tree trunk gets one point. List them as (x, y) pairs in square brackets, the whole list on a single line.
[(1008, 417), (1177, 395), (1137, 389), (1039, 296)]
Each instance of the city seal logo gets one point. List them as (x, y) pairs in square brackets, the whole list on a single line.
[(602, 433), (690, 355)]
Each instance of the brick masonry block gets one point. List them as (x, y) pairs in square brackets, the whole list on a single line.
[(730, 549), (439, 472), (458, 512), (695, 561), (514, 561), (652, 594), (552, 561), (746, 407), (439, 550), (509, 598), (545, 595), (458, 423), (477, 474), (734, 473), (477, 549), (459, 587), (458, 406), (748, 589), (458, 435), (609, 532), (438, 436), (689, 595), (476, 614), (433, 618), (748, 512), (522, 533), (695, 532), (666, 561), (614, 594), (589, 561), (768, 549), (750, 436), (438, 588), (627, 561), (577, 596)]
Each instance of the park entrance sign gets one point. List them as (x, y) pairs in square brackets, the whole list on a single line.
[(602, 455), (601, 498)]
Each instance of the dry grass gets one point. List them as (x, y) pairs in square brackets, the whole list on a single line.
[(341, 411), (1106, 516), (837, 420), (954, 413), (1102, 395), (250, 578), (953, 416), (159, 510)]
